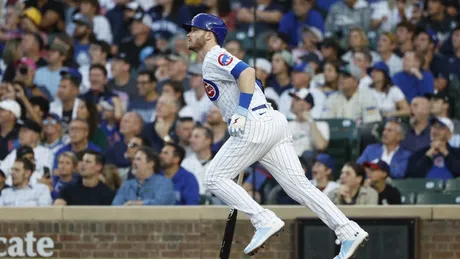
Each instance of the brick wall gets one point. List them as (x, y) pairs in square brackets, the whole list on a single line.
[(192, 239)]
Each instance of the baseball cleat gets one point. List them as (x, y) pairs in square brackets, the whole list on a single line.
[(349, 247), (273, 227)]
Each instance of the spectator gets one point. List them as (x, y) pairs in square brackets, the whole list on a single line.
[(53, 13), (452, 61), (66, 104), (389, 150), (91, 9), (89, 190), (10, 55), (119, 20), (437, 19), (168, 17), (88, 111), (25, 73), (161, 130), (402, 12), (142, 38), (378, 173), (183, 130), (99, 52), (351, 102), (50, 76), (268, 15), (84, 35), (439, 160), (126, 173), (196, 98), (345, 15), (452, 8), (236, 48), (390, 99), (130, 127), (322, 174), (358, 41), (98, 80), (29, 135), (178, 68), (302, 14), (441, 107), (175, 89), (218, 127), (280, 79), (308, 135), (68, 42), (405, 33), (108, 123), (146, 102), (386, 47), (22, 193), (10, 112), (221, 9), (381, 17), (331, 78), (263, 69), (123, 82), (31, 46), (53, 132), (425, 44), (413, 80), (330, 50), (78, 133), (351, 190), (418, 135), (66, 171), (3, 184), (277, 42), (360, 64), (110, 177), (185, 184), (149, 188)]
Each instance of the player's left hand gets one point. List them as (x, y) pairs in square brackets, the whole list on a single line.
[(236, 127)]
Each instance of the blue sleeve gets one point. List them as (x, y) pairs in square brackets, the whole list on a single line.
[(426, 85), (399, 167), (316, 20), (285, 26), (121, 196), (191, 192), (164, 193), (364, 156)]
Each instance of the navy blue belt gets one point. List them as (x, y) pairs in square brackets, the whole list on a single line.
[(259, 107)]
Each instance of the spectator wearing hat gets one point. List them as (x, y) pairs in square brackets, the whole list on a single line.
[(302, 14), (178, 70), (84, 35), (389, 150), (108, 124), (141, 37), (377, 173), (91, 9), (23, 193), (414, 80), (390, 99), (441, 106), (280, 79), (425, 44), (437, 19), (358, 41), (439, 160), (50, 76), (351, 102), (123, 82), (99, 53), (66, 170), (311, 40), (10, 112), (302, 75), (308, 135), (386, 47), (53, 13), (29, 135), (268, 15), (146, 102), (418, 134), (3, 184), (405, 33), (452, 8), (53, 132), (24, 75), (196, 98), (322, 174), (31, 20)]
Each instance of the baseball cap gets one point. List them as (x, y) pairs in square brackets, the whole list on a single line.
[(381, 66), (132, 6), (177, 57), (315, 31), (34, 15), (441, 74), (122, 56), (446, 122), (143, 18), (346, 71), (432, 35), (303, 67), (80, 18), (439, 95), (32, 125), (311, 57), (326, 160), (379, 165), (287, 57), (262, 64), (59, 47), (12, 106), (195, 69), (282, 36), (28, 62), (305, 95), (24, 150), (55, 117), (72, 74), (107, 104)]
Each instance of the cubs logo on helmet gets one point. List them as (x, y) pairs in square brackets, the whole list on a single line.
[(225, 59), (211, 90)]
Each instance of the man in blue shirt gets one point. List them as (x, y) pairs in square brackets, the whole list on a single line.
[(418, 134), (50, 76), (83, 34), (149, 188), (302, 14), (185, 183), (146, 102), (439, 160), (67, 166)]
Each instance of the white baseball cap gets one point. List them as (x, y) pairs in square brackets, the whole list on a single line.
[(262, 64), (12, 106), (446, 122)]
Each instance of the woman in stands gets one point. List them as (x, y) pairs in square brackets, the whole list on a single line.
[(88, 111)]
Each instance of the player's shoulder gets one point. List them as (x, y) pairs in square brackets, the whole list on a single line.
[(219, 56)]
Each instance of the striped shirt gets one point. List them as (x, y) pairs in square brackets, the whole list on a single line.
[(37, 195)]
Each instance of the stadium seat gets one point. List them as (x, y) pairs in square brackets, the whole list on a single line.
[(408, 197), (437, 198), (452, 186), (418, 185)]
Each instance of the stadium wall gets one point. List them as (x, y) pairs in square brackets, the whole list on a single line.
[(195, 232)]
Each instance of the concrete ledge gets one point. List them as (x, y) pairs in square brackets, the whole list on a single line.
[(26, 214), (446, 212)]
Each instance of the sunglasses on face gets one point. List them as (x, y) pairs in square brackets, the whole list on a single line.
[(133, 145), (49, 122)]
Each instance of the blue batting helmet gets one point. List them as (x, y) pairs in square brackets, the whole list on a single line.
[(208, 22)]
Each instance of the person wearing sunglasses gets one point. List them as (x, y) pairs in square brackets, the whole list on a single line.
[(53, 131)]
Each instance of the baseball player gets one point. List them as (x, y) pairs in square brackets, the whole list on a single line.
[(258, 133)]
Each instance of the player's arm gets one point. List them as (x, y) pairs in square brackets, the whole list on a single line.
[(246, 77)]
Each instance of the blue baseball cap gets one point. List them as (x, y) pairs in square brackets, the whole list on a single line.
[(381, 66), (71, 74), (326, 160), (305, 95), (379, 165), (303, 67), (55, 117)]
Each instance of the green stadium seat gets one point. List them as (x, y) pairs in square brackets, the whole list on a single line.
[(452, 186), (418, 185), (408, 197), (428, 198)]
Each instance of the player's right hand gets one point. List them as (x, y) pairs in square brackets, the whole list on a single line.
[(236, 127)]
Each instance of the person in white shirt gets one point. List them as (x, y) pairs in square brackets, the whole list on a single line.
[(386, 46), (199, 160), (361, 62), (322, 174), (196, 98), (22, 193), (307, 134), (263, 69), (101, 28), (29, 135)]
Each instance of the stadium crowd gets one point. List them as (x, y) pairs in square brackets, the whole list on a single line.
[(102, 103)]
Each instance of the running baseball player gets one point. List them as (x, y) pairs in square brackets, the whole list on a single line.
[(258, 133)]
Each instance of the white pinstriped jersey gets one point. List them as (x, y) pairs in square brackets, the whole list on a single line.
[(220, 77)]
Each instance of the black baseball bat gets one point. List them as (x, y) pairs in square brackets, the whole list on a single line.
[(227, 240)]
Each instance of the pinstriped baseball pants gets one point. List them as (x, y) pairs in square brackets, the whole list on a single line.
[(267, 139)]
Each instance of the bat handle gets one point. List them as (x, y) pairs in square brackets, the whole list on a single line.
[(240, 178)]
